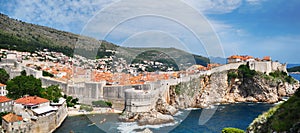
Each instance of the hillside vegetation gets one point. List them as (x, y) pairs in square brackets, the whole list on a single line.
[(21, 36), (294, 69), (281, 118)]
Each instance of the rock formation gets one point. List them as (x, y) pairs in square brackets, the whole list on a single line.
[(217, 88)]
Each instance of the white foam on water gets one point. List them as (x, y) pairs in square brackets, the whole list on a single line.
[(129, 127), (211, 107), (279, 102), (179, 113), (192, 109)]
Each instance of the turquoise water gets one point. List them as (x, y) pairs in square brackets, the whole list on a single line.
[(238, 115)]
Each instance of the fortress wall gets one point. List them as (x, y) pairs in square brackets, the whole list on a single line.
[(138, 101), (44, 124), (227, 67), (14, 73), (264, 67), (33, 72), (46, 81), (145, 100), (117, 92), (49, 122), (279, 66), (82, 93)]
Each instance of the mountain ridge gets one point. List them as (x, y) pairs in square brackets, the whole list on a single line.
[(18, 35)]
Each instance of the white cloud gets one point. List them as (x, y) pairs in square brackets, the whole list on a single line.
[(254, 2), (214, 6), (132, 16), (64, 15), (73, 15)]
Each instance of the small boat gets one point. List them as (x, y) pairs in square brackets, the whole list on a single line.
[(91, 124)]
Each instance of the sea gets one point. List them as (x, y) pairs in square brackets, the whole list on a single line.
[(238, 115)]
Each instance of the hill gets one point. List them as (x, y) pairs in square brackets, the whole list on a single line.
[(281, 118), (294, 69), (21, 36)]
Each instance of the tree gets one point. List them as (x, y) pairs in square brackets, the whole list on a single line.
[(47, 74), (23, 73), (2, 114), (52, 93), (24, 85), (245, 72), (3, 76)]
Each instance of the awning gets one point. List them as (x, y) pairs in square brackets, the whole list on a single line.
[(44, 109)]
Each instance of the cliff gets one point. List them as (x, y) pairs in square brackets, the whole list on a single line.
[(239, 85), (206, 89), (283, 118)]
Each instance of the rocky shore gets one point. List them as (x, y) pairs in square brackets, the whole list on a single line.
[(163, 113), (217, 88)]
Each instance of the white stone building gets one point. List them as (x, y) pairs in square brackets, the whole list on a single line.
[(3, 91)]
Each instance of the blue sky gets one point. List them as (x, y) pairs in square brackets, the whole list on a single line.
[(247, 27)]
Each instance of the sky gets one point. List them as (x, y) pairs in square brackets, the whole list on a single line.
[(206, 27)]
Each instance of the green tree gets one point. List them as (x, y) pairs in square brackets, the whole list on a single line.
[(3, 76), (2, 114), (23, 73), (245, 72), (52, 93), (22, 85), (47, 74)]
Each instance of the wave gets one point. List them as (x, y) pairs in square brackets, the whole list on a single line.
[(179, 113), (130, 127), (192, 109)]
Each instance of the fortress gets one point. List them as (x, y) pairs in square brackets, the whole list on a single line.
[(134, 98)]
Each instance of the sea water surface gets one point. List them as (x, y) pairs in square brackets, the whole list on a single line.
[(238, 115)]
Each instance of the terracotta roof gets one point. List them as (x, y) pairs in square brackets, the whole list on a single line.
[(12, 118), (2, 85), (267, 58), (4, 99), (31, 100)]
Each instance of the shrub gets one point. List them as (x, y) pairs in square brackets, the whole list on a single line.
[(101, 103), (177, 89), (282, 76), (86, 108), (245, 72), (232, 130), (47, 74), (232, 75)]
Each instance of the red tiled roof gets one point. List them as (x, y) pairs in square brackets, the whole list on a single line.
[(31, 100), (12, 118), (4, 99), (2, 85)]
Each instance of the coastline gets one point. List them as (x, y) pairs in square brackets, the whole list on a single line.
[(59, 124), (294, 72), (98, 111), (187, 118)]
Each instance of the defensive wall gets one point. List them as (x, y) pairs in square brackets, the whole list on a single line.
[(138, 98)]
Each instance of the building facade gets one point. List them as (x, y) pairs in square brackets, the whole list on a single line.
[(3, 91), (12, 123), (6, 104)]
